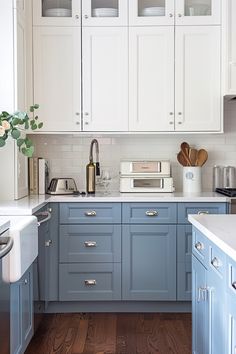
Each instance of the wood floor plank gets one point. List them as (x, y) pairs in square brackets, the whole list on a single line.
[(113, 334)]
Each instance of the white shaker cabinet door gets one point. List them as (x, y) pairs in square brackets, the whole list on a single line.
[(231, 48), (105, 79), (57, 77), (151, 79), (198, 101)]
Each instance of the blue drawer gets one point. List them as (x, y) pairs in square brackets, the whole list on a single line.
[(200, 247), (90, 213), (149, 213), (231, 276), (85, 281), (184, 209), (217, 260), (90, 243)]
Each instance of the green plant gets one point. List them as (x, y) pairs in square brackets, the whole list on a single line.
[(11, 125)]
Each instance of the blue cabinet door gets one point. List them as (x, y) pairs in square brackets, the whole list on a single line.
[(200, 309), (22, 313), (231, 324), (149, 262), (184, 262)]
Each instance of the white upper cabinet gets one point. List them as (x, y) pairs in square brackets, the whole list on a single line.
[(105, 79), (151, 12), (56, 13), (198, 78), (105, 12), (198, 12), (151, 78), (230, 48), (57, 77)]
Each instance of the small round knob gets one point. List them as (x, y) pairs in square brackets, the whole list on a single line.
[(215, 262), (171, 123), (77, 113), (86, 113), (180, 113), (199, 246), (77, 17), (179, 123), (49, 210), (171, 15), (171, 113), (179, 15), (86, 17), (77, 123), (26, 281), (86, 123)]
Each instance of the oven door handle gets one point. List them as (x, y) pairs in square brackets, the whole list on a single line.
[(8, 243), (47, 215)]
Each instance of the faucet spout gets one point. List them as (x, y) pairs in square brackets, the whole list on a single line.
[(91, 159)]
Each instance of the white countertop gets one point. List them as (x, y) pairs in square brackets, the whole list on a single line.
[(29, 205), (4, 224), (220, 229)]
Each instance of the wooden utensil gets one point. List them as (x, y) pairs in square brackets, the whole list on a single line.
[(181, 159), (185, 151), (193, 156), (202, 157)]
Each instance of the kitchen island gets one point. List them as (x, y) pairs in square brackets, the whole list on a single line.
[(214, 283)]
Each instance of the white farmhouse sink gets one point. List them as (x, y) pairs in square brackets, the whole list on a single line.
[(24, 231)]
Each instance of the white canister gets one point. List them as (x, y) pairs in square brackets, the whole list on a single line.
[(192, 179)]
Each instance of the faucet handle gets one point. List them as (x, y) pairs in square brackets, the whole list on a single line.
[(98, 172)]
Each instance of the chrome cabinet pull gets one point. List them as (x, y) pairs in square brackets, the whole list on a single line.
[(26, 281), (90, 282), (216, 263), (234, 285), (202, 212), (90, 213), (179, 15), (199, 246), (77, 17), (48, 243), (151, 213), (171, 15), (86, 17), (90, 244), (202, 294)]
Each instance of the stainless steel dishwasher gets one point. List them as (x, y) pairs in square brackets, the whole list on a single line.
[(6, 244)]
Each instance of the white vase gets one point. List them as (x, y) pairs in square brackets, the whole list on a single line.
[(192, 179)]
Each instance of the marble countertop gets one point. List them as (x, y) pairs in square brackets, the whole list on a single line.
[(220, 229), (31, 204)]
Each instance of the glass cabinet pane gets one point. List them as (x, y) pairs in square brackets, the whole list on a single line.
[(105, 8), (56, 8), (198, 8), (151, 7)]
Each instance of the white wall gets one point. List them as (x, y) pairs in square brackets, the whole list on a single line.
[(68, 154)]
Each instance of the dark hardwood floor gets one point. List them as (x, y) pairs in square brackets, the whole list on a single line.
[(113, 334)]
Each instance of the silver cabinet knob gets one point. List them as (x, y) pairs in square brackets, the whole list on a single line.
[(179, 15), (199, 246), (90, 244), (90, 213), (77, 113), (171, 15), (171, 113), (86, 17), (171, 123), (49, 210), (180, 113), (78, 123), (26, 281), (234, 285), (48, 243), (86, 123), (179, 123), (151, 213), (86, 114), (90, 282), (216, 262), (77, 17)]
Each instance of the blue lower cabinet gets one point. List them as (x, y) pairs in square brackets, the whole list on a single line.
[(231, 325), (184, 262), (149, 262), (200, 309), (22, 313), (89, 282)]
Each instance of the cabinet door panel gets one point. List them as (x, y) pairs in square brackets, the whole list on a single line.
[(198, 101), (105, 79), (16, 327), (27, 308), (198, 12), (151, 79), (149, 262), (231, 48), (57, 77)]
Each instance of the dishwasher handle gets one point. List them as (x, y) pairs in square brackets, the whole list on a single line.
[(47, 215), (8, 243)]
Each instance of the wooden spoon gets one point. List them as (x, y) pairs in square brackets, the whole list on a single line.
[(185, 151), (193, 156), (181, 159), (202, 157)]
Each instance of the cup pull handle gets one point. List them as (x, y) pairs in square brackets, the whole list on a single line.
[(90, 244), (203, 212), (151, 213), (90, 213), (90, 282)]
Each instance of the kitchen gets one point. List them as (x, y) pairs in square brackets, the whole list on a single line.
[(169, 77)]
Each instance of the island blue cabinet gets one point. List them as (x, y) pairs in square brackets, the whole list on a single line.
[(231, 306), (22, 312), (209, 303)]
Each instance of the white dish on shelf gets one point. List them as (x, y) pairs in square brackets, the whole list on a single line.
[(57, 12), (153, 11), (104, 12)]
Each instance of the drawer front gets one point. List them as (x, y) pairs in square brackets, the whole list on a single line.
[(200, 246), (90, 213), (85, 282), (217, 260), (90, 243), (149, 213), (231, 276), (184, 209)]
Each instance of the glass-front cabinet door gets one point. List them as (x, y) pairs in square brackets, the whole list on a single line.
[(105, 12), (151, 12), (57, 13), (198, 12)]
